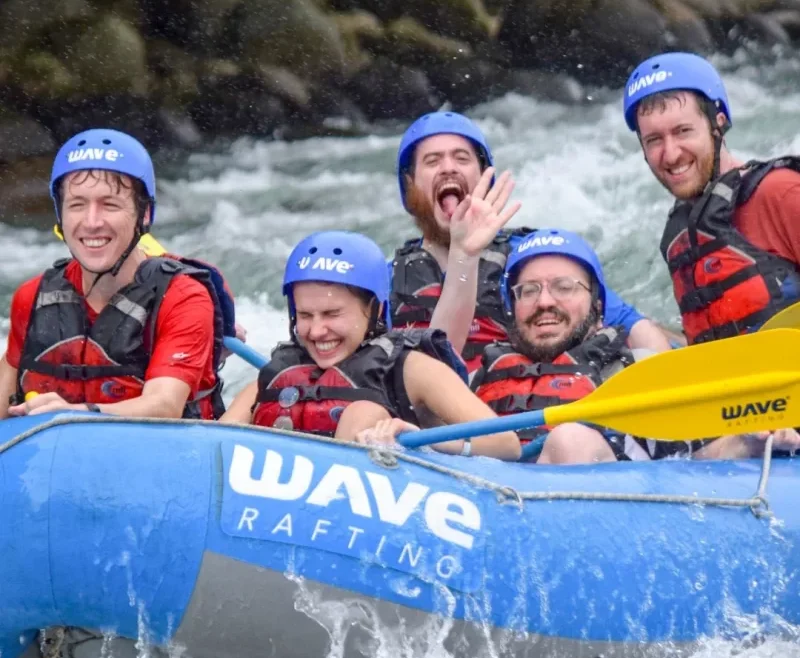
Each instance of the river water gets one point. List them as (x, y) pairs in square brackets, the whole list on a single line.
[(576, 167)]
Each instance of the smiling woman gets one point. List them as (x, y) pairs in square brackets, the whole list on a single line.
[(345, 371)]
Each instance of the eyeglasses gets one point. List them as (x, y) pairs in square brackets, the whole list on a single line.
[(560, 288)]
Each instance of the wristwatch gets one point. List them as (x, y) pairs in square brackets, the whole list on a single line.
[(466, 451)]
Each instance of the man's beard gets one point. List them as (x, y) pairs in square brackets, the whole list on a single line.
[(546, 353), (420, 206), (706, 169)]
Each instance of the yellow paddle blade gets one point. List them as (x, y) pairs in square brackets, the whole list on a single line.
[(788, 318), (147, 243), (744, 384)]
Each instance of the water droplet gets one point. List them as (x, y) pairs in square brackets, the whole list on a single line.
[(463, 278)]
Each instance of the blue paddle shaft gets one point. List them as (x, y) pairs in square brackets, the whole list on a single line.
[(469, 430), (247, 353)]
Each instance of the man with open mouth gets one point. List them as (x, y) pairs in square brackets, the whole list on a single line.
[(447, 183)]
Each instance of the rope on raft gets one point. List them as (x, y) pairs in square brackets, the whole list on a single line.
[(388, 458)]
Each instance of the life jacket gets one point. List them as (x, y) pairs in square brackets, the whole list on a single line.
[(417, 284), (723, 284), (107, 361), (295, 393), (509, 382)]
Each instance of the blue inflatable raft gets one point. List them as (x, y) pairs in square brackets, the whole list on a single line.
[(237, 542)]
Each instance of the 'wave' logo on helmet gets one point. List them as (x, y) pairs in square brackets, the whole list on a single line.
[(543, 241), (112, 155), (326, 264), (646, 80)]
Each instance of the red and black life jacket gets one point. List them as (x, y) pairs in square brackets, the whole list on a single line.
[(723, 284), (295, 393), (106, 362), (510, 382), (417, 284)]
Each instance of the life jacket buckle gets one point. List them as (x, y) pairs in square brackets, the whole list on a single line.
[(310, 393), (73, 373)]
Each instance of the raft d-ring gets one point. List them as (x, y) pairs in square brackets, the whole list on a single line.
[(760, 508), (509, 496), (384, 458)]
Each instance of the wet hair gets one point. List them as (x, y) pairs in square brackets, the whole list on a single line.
[(369, 300), (366, 297), (659, 101), (117, 182)]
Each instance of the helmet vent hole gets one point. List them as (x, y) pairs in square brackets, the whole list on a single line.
[(337, 251), (656, 66), (106, 141), (82, 142), (313, 250)]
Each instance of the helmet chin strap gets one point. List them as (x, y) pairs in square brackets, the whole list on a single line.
[(717, 134)]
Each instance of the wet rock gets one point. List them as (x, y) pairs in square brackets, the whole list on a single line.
[(174, 80), (285, 85), (195, 25), (141, 117), (496, 6), (237, 105), (385, 10), (745, 7), (39, 74), (101, 69), (466, 82), (466, 20), (714, 9), (293, 34), (762, 28), (177, 129), (131, 11), (789, 20), (24, 198), (531, 29), (22, 137), (211, 71), (597, 42), (21, 21), (386, 90), (334, 107), (356, 28), (555, 87), (408, 42), (689, 29)]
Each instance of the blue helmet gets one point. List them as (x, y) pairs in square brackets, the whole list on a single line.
[(106, 149), (674, 72), (339, 257), (552, 242), (438, 123)]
